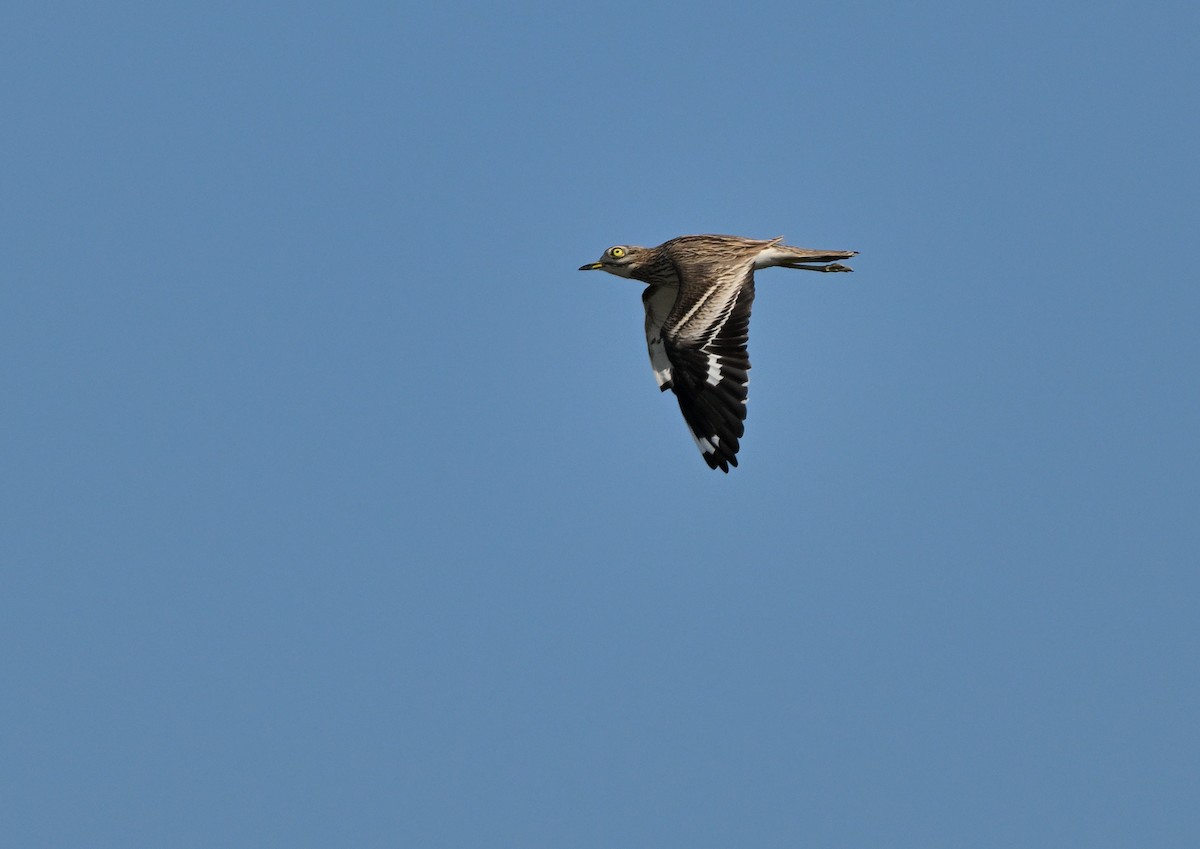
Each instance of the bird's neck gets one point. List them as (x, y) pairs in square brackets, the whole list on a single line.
[(656, 270)]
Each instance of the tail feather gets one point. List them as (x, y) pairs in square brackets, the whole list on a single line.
[(787, 256)]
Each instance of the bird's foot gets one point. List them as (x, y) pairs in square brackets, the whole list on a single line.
[(836, 266)]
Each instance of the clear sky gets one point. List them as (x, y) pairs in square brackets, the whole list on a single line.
[(339, 509)]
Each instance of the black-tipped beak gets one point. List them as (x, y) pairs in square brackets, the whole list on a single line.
[(591, 266)]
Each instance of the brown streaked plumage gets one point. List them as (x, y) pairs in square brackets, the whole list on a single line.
[(697, 299)]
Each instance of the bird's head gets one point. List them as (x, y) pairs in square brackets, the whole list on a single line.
[(621, 260)]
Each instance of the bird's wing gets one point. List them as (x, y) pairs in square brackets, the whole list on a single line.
[(704, 339), (658, 301)]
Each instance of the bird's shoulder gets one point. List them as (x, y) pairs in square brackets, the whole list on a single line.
[(704, 261), (712, 244), (709, 253)]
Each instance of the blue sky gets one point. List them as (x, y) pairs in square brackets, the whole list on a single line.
[(341, 510)]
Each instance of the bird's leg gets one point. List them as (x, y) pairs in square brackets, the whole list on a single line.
[(833, 266)]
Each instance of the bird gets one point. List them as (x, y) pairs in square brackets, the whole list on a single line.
[(697, 298)]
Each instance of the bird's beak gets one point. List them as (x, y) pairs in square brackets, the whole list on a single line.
[(591, 266)]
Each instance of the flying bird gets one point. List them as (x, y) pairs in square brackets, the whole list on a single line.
[(697, 299)]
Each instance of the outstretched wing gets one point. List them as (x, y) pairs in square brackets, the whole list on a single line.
[(658, 301), (704, 338)]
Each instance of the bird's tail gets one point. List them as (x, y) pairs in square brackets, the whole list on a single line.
[(786, 256)]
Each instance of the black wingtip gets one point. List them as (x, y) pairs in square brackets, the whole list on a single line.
[(718, 463)]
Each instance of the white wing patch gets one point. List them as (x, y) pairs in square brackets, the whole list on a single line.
[(706, 444), (714, 369)]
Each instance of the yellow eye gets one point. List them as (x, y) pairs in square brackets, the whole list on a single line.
[(616, 253)]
